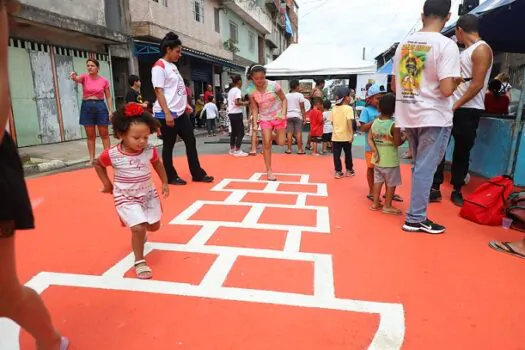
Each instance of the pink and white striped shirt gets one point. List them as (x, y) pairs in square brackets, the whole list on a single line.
[(132, 174)]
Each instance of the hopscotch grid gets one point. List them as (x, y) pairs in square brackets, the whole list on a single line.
[(391, 330)]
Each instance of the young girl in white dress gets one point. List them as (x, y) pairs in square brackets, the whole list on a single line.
[(136, 198)]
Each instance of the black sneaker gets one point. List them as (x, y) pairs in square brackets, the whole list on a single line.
[(205, 179), (426, 226), (178, 182), (457, 198), (435, 196)]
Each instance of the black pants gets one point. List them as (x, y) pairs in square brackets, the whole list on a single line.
[(338, 147), (464, 131), (237, 130), (184, 129), (211, 126)]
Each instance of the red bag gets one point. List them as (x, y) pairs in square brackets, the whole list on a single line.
[(486, 206)]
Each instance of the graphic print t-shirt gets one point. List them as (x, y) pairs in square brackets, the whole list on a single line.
[(420, 63), (134, 96)]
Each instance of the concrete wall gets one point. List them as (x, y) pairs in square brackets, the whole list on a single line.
[(243, 45), (178, 17), (91, 11)]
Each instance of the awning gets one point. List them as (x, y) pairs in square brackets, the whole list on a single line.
[(144, 48), (302, 60), (500, 24), (387, 68)]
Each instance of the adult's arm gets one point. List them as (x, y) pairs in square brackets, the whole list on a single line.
[(254, 111), (284, 108), (481, 62), (109, 100)]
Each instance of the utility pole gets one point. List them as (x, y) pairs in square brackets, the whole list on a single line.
[(364, 53)]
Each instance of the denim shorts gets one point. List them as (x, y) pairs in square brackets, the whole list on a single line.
[(94, 112)]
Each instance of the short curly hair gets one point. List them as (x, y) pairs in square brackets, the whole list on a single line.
[(121, 122)]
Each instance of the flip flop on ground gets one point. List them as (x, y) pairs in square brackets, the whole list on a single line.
[(392, 211), (142, 270), (374, 208), (505, 247), (396, 198)]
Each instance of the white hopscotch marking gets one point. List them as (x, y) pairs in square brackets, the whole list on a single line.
[(391, 330)]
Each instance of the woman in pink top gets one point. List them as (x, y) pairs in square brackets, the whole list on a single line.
[(269, 106), (94, 112)]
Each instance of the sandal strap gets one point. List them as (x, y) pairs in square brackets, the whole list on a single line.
[(142, 269), (139, 262)]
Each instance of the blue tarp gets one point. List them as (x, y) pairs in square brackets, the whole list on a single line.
[(500, 24), (386, 69), (288, 24)]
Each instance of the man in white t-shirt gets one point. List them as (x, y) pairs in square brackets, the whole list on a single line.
[(426, 74), (469, 105), (235, 106), (296, 116)]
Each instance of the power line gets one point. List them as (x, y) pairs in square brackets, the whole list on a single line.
[(314, 9)]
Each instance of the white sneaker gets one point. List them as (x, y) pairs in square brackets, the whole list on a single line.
[(240, 153), (232, 152)]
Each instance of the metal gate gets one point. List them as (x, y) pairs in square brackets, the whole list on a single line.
[(45, 102)]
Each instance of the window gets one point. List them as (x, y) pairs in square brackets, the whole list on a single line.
[(198, 10), (163, 2), (251, 37), (234, 32), (217, 18)]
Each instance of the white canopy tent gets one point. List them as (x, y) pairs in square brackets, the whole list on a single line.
[(330, 61)]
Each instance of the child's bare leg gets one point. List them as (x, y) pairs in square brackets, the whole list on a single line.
[(389, 194), (325, 147), (388, 208), (154, 227), (314, 148), (138, 234), (289, 139), (254, 142), (376, 191), (370, 179), (22, 304)]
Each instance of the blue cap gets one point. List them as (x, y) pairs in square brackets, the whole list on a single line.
[(375, 90)]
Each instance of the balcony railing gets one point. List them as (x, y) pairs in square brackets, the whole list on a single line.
[(253, 14)]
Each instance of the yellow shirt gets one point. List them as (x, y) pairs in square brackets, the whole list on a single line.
[(341, 115)]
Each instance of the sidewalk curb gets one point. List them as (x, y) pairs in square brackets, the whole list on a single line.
[(55, 164)]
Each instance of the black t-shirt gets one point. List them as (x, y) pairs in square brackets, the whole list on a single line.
[(134, 96)]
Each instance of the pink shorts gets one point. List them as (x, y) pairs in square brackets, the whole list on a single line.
[(274, 124)]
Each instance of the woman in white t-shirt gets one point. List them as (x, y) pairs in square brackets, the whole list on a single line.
[(235, 106), (171, 109)]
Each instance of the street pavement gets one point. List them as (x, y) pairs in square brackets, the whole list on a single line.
[(244, 263)]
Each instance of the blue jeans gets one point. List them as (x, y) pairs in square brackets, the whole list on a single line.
[(428, 146)]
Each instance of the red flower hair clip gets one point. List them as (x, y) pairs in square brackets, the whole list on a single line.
[(133, 109)]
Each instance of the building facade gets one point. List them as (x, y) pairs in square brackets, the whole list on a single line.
[(49, 39), (205, 57)]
